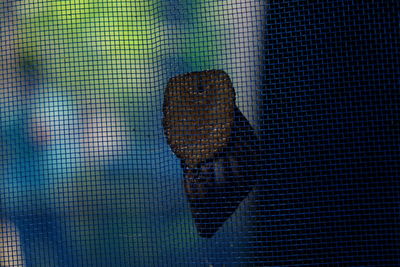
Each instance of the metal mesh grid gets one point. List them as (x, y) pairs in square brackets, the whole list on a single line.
[(199, 133)]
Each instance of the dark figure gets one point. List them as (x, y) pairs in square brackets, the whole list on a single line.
[(219, 151), (331, 126)]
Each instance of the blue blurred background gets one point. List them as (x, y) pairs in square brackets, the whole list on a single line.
[(86, 176)]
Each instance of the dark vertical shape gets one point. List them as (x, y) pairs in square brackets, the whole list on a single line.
[(218, 185), (218, 149), (331, 104)]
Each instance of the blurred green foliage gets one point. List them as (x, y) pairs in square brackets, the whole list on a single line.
[(113, 186), (97, 47)]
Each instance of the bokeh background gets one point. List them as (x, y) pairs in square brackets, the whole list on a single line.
[(86, 176)]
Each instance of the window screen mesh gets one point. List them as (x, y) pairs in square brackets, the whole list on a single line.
[(199, 133)]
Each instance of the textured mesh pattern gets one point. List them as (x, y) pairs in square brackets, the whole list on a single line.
[(199, 133)]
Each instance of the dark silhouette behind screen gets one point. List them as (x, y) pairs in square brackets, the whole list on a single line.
[(331, 124)]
